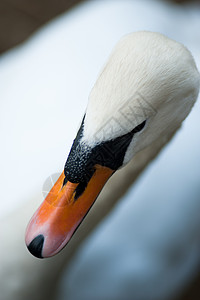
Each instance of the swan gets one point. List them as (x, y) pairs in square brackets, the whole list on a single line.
[(146, 89)]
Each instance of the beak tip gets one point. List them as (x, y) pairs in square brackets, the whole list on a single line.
[(36, 245)]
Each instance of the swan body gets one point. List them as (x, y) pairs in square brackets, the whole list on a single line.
[(145, 91)]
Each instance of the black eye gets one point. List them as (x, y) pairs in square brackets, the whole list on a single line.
[(139, 127)]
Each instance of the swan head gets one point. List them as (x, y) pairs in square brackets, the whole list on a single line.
[(144, 92)]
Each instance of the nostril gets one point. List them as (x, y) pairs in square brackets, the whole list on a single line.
[(35, 247)]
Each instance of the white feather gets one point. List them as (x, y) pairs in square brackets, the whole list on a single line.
[(147, 77)]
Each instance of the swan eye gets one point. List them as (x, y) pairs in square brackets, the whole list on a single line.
[(139, 127)]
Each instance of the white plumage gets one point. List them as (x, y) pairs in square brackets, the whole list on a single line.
[(148, 77)]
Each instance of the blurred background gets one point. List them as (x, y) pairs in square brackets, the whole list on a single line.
[(18, 20), (149, 246)]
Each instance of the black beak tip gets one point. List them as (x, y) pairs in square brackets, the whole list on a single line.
[(35, 247)]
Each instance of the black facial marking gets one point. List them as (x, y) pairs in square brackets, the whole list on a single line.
[(79, 166), (64, 181), (80, 189)]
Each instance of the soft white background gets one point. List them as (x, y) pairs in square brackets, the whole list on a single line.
[(150, 244)]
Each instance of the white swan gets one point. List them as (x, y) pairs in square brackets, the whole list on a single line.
[(143, 94)]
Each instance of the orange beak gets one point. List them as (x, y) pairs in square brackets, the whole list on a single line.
[(57, 218)]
